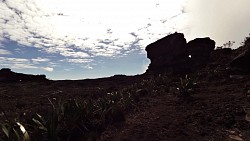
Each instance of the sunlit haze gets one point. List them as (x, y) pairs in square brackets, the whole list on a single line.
[(77, 39)]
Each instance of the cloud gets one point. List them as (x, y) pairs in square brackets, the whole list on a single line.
[(4, 52), (21, 63), (19, 51), (17, 63), (83, 63), (74, 54), (22, 66), (84, 29), (222, 20), (88, 67), (39, 60), (79, 60), (48, 69)]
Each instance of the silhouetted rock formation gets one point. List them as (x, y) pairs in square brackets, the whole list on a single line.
[(173, 54), (6, 75), (167, 52), (199, 50), (172, 45)]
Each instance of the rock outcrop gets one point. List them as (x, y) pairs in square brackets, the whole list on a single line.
[(199, 50), (173, 54), (6, 75), (242, 61), (172, 45), (167, 52)]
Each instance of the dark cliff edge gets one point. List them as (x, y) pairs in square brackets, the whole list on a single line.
[(6, 75)]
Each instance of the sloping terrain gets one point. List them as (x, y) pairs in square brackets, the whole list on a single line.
[(216, 110)]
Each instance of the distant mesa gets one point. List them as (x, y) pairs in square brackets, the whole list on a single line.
[(6, 75), (173, 54)]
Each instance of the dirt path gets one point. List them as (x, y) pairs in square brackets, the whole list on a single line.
[(216, 112)]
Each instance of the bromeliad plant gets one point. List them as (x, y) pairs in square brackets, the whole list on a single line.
[(14, 132), (185, 86)]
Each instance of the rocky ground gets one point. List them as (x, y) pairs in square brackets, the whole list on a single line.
[(216, 111)]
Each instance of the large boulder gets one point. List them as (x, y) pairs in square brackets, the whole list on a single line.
[(172, 53), (199, 50), (173, 45), (167, 52)]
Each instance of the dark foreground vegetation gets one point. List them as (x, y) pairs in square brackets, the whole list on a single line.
[(208, 99)]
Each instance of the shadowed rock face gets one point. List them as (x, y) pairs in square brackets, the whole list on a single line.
[(173, 53)]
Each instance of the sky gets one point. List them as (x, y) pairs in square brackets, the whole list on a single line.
[(78, 39)]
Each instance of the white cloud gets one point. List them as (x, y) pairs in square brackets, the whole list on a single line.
[(84, 63), (22, 66), (88, 66), (75, 28), (19, 51), (16, 63), (39, 59), (16, 60), (74, 54), (21, 63), (79, 60), (3, 51), (49, 69)]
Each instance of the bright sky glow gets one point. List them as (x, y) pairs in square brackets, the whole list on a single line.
[(222, 20), (75, 39)]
